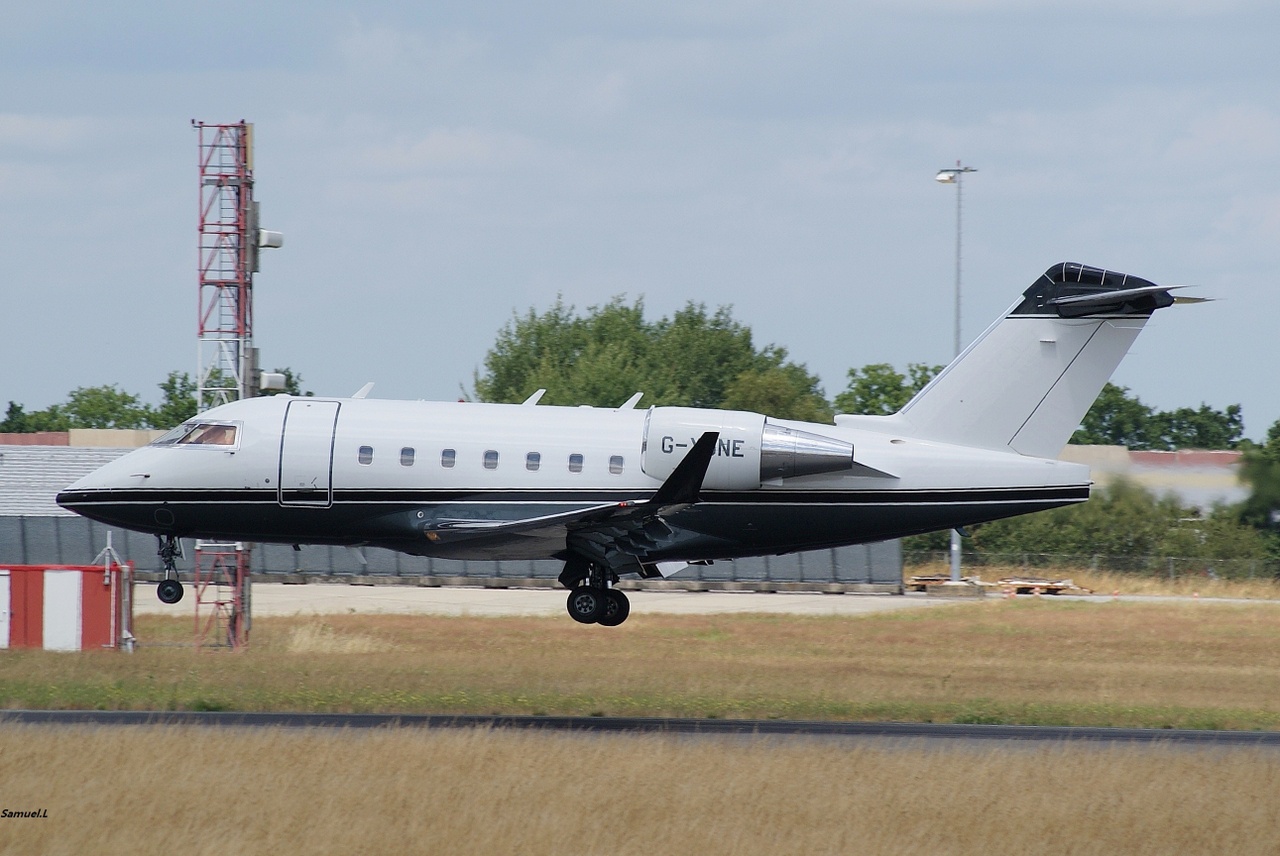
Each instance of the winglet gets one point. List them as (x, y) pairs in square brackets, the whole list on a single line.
[(364, 390), (685, 481)]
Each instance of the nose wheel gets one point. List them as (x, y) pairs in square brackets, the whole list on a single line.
[(169, 590), (591, 600)]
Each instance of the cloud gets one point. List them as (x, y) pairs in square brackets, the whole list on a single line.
[(1109, 8), (40, 133), (365, 47), (1238, 133), (449, 150)]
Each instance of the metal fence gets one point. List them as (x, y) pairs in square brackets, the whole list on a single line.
[(1171, 567), (66, 540)]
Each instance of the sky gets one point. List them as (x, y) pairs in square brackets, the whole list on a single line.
[(437, 168)]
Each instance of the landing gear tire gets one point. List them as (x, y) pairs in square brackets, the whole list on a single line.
[(616, 608), (169, 591), (587, 605)]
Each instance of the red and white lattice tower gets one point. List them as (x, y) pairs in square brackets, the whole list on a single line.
[(229, 243), (222, 594), (228, 256)]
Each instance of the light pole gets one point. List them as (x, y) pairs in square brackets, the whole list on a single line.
[(955, 175)]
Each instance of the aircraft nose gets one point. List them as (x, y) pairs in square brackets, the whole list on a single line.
[(116, 494)]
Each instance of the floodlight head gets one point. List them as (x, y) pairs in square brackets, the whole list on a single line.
[(272, 381), (952, 174)]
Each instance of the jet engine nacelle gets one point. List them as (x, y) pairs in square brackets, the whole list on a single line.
[(751, 449)]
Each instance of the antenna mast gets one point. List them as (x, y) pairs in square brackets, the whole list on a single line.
[(230, 241)]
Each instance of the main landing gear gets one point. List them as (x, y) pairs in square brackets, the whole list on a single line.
[(591, 600), (169, 590)]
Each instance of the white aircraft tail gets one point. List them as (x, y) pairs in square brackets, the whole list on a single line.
[(1027, 382)]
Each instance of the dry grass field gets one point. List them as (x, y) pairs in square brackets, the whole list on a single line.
[(177, 790), (1192, 665), (1103, 582), (1110, 582)]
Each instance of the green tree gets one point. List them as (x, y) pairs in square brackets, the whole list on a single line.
[(602, 358), (1115, 419), (1202, 428), (1119, 419), (879, 390), (778, 390), (177, 403), (15, 420), (19, 421), (111, 407), (1260, 469), (105, 407), (85, 407), (1123, 520)]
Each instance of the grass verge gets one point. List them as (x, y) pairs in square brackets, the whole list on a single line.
[(484, 792), (1112, 582), (1011, 662)]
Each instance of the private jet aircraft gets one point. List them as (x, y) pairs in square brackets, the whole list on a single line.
[(614, 491)]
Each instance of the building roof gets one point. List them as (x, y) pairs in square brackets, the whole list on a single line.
[(31, 476), (1199, 477)]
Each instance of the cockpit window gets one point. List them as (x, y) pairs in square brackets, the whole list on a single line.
[(205, 434), (199, 434), (171, 436)]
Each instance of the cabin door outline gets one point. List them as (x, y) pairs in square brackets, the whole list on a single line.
[(305, 477)]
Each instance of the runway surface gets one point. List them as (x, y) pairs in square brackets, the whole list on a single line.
[(276, 599), (899, 731), (326, 599)]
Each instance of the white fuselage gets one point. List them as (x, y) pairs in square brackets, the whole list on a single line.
[(382, 472), (622, 489)]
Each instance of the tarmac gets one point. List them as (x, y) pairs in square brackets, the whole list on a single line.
[(271, 599)]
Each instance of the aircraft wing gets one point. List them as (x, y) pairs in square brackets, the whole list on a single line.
[(601, 531)]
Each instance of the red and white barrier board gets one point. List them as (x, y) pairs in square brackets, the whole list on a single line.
[(66, 607)]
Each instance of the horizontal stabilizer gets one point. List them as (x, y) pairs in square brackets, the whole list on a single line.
[(1109, 298), (1071, 290)]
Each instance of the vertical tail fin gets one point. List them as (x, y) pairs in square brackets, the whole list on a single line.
[(1026, 382)]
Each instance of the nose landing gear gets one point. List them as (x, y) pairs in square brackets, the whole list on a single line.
[(591, 599), (169, 590)]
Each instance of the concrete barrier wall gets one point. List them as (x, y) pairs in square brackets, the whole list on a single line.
[(30, 540)]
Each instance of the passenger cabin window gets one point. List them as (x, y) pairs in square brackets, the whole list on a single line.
[(447, 458), (365, 455), (490, 460), (615, 464), (406, 456), (532, 461), (199, 434), (575, 463)]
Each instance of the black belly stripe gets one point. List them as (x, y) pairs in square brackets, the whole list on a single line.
[(966, 496)]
